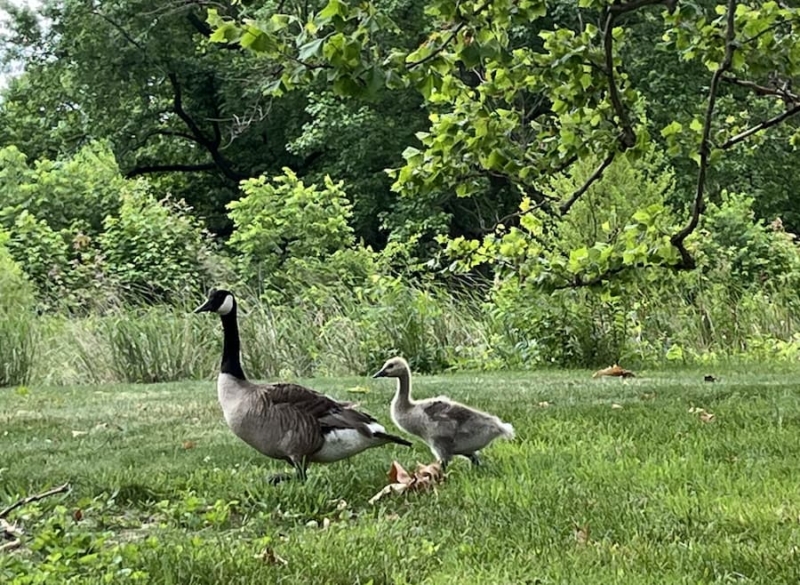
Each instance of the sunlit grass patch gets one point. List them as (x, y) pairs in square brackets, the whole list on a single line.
[(608, 481)]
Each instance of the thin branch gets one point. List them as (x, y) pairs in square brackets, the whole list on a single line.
[(734, 140), (440, 48), (176, 168), (11, 545), (628, 136), (211, 145), (122, 31), (581, 283), (453, 32), (762, 90), (35, 498), (618, 9), (595, 176), (678, 239)]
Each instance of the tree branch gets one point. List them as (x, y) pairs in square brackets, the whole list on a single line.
[(678, 239), (762, 90), (618, 9), (211, 145), (453, 32), (176, 168), (734, 140), (35, 498), (628, 136), (595, 176)]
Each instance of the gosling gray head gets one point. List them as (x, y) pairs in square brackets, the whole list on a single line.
[(219, 301), (395, 367)]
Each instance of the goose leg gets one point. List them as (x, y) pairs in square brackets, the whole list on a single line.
[(277, 478), (300, 468), (473, 457)]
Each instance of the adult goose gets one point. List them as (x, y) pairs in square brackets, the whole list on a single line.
[(286, 421), (448, 427)]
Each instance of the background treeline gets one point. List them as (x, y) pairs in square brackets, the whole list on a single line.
[(141, 164)]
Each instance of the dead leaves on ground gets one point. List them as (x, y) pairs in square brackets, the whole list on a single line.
[(615, 371), (424, 478), (104, 426), (703, 414), (270, 557)]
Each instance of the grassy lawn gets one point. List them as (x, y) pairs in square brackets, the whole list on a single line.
[(608, 481)]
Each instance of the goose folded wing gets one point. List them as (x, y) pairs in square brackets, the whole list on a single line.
[(330, 413)]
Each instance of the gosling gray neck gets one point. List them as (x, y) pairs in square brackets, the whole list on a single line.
[(402, 398)]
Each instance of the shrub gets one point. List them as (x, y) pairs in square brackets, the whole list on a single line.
[(154, 249), (83, 188), (283, 227), (17, 331)]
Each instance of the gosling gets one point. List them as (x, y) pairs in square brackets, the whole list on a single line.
[(449, 428)]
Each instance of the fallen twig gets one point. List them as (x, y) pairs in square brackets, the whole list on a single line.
[(34, 498)]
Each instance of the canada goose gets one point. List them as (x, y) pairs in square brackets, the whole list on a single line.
[(449, 428), (282, 420)]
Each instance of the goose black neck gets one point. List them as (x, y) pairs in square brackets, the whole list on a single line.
[(231, 363)]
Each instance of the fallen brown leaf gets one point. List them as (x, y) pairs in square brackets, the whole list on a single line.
[(270, 557), (581, 533), (704, 415), (614, 370), (77, 515), (188, 444), (425, 477), (707, 416)]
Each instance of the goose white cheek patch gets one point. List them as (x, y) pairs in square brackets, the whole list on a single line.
[(226, 306)]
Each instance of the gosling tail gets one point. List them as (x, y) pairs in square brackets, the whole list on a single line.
[(506, 430)]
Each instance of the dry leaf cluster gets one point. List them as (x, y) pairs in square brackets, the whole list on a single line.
[(425, 477), (704, 415), (614, 370)]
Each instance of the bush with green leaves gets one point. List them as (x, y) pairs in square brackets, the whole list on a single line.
[(154, 249), (84, 187), (17, 327), (294, 239)]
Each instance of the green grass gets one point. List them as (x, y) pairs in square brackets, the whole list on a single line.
[(666, 497)]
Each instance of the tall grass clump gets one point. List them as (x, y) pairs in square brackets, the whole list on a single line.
[(17, 322), (156, 344)]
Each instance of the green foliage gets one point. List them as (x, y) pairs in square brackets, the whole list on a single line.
[(293, 238), (154, 249), (18, 342), (42, 251), (84, 188)]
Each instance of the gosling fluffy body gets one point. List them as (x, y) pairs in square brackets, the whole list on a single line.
[(448, 427), (287, 421)]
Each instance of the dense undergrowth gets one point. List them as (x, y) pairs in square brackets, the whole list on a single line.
[(94, 299)]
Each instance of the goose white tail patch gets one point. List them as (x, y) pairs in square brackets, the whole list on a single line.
[(344, 443), (226, 306)]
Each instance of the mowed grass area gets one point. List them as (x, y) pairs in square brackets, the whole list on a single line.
[(611, 481)]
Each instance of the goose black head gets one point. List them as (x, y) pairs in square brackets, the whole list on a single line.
[(395, 367), (219, 301)]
